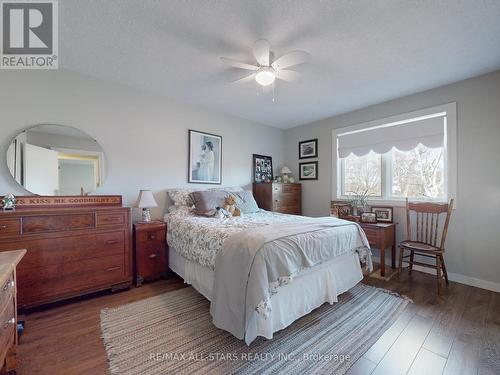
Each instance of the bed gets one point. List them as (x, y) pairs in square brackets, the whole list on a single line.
[(264, 270)]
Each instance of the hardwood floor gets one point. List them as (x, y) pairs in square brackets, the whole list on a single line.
[(456, 333)]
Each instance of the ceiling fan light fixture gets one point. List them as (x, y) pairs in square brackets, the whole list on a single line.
[(265, 76)]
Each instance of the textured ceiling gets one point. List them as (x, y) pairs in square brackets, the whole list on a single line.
[(364, 52)]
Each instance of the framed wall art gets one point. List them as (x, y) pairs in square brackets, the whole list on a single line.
[(262, 168), (205, 158), (308, 149)]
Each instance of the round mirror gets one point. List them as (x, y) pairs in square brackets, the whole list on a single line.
[(56, 160)]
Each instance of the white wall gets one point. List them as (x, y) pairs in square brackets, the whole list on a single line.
[(473, 245), (145, 137)]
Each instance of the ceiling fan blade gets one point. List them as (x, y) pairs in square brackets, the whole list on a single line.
[(290, 59), (288, 75), (249, 78), (261, 50), (238, 64)]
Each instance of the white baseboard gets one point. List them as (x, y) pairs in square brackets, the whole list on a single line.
[(456, 277)]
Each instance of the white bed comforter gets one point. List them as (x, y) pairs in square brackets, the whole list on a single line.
[(253, 264)]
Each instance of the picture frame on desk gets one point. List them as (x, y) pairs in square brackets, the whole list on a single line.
[(340, 209), (368, 217), (384, 214)]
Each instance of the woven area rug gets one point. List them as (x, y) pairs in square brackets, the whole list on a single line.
[(173, 334)]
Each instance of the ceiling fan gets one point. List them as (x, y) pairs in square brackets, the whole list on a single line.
[(266, 72)]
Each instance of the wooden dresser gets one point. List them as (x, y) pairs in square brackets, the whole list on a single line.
[(70, 251), (8, 309), (277, 197)]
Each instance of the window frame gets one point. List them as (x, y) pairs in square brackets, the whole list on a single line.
[(450, 156)]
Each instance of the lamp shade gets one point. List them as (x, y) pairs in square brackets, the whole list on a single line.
[(285, 170), (146, 199)]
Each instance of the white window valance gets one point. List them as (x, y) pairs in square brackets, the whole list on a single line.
[(405, 136)]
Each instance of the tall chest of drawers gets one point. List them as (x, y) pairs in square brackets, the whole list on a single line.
[(278, 197), (8, 310), (70, 251)]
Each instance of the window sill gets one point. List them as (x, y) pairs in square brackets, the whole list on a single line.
[(390, 202)]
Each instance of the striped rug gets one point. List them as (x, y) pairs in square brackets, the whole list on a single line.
[(172, 334)]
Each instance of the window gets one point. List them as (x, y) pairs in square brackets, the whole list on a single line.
[(410, 155), (418, 173), (362, 174)]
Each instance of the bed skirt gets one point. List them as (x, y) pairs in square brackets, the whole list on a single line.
[(308, 290)]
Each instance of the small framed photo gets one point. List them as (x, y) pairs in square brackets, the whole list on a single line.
[(308, 171), (383, 214), (368, 217), (262, 168), (205, 158), (308, 149), (340, 209)]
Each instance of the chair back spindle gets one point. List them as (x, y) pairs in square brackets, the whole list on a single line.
[(427, 222)]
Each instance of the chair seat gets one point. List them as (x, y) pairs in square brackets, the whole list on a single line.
[(419, 246)]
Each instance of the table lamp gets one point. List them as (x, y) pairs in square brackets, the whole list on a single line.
[(285, 171), (146, 201)]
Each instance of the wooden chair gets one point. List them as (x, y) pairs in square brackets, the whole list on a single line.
[(425, 241)]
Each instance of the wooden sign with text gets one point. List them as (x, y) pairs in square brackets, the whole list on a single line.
[(68, 201)]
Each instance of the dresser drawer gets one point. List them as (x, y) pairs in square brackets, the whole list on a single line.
[(151, 236), (69, 278), (292, 210), (291, 188), (7, 328), (110, 218), (48, 251), (286, 200), (7, 290), (9, 227), (54, 223), (151, 262)]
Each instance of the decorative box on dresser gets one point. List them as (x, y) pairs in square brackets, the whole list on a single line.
[(71, 251), (150, 251), (279, 197), (8, 308)]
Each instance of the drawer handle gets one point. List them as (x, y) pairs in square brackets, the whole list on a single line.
[(152, 236), (113, 269), (8, 284), (152, 256), (3, 226), (111, 242), (9, 322), (111, 218)]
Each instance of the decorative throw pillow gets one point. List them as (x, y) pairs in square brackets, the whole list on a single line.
[(246, 202), (206, 201), (181, 197)]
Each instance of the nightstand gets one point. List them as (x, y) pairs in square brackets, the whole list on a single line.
[(381, 236), (150, 251)]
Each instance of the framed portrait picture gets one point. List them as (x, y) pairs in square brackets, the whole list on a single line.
[(308, 149), (205, 158), (383, 214), (308, 171), (368, 217), (262, 168)]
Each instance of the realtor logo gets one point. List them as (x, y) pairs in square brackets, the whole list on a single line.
[(29, 35)]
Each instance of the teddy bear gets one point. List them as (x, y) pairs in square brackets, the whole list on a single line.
[(230, 206)]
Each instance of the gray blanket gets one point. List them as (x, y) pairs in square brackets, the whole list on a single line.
[(254, 263)]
